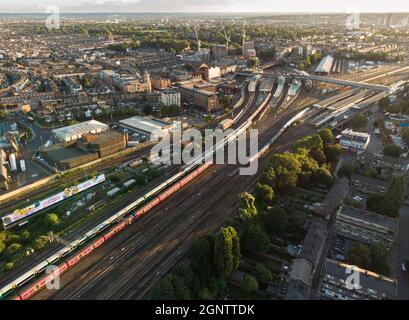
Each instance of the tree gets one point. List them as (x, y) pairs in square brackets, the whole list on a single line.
[(249, 283), (392, 150), (163, 290), (379, 254), (275, 221), (201, 257), (261, 273), (3, 114), (394, 197), (347, 170), (13, 248), (226, 251), (264, 193), (205, 294), (41, 242), (326, 135), (323, 176), (282, 173), (2, 246), (373, 202), (180, 289), (319, 156), (9, 266), (247, 207), (359, 121), (52, 219), (332, 152), (309, 142), (359, 255), (254, 238)]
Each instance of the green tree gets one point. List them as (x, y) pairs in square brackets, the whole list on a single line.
[(247, 205), (282, 173), (323, 176), (359, 121), (13, 248), (373, 201), (205, 294), (379, 254), (394, 197), (249, 283), (332, 152), (326, 135), (253, 238), (3, 114), (163, 290), (347, 170), (359, 255), (275, 221), (2, 246), (9, 266), (309, 142), (148, 109), (52, 219), (262, 273), (41, 242), (392, 150), (319, 156), (264, 193), (226, 251), (201, 257)]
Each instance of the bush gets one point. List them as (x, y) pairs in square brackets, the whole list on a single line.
[(261, 273), (9, 266), (249, 283), (41, 242)]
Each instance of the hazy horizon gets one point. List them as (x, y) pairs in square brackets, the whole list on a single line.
[(210, 6)]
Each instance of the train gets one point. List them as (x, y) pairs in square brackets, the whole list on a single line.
[(169, 187), (121, 219)]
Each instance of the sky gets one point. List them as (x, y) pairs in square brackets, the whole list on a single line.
[(206, 5)]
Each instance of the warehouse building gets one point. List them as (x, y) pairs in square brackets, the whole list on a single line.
[(325, 66), (75, 132), (87, 149), (153, 128), (365, 226)]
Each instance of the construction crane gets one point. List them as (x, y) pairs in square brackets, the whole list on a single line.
[(227, 38), (197, 38)]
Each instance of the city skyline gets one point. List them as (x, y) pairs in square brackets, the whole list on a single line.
[(241, 6)]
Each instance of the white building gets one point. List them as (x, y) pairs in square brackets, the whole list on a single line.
[(354, 140), (153, 128), (75, 132), (214, 72), (325, 65), (169, 97)]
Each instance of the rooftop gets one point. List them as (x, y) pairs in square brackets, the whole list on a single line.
[(76, 130)]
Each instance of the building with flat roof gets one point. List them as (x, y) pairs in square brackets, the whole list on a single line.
[(325, 66), (75, 132), (365, 226), (200, 95), (371, 286), (305, 267), (354, 140), (154, 128)]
